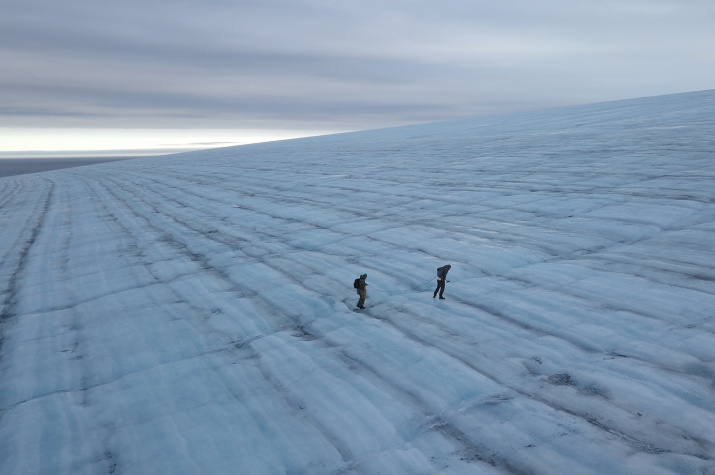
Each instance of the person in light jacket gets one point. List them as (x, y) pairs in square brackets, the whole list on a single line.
[(441, 280)]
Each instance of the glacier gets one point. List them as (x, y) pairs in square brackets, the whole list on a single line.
[(194, 313)]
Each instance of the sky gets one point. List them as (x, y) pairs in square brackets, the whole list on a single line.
[(159, 74)]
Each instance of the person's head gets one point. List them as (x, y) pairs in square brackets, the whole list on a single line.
[(448, 266), (364, 276)]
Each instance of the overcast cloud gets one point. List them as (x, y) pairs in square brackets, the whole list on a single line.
[(337, 65)]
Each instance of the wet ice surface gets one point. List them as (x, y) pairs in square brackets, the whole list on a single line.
[(195, 313)]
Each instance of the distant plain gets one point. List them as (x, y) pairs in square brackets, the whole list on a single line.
[(23, 166)]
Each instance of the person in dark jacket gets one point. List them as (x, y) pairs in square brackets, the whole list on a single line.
[(441, 280), (362, 291)]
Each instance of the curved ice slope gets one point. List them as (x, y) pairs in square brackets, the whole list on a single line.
[(195, 313)]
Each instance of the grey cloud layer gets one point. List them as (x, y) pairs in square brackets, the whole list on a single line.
[(350, 64)]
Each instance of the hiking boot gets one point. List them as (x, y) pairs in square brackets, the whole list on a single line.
[(442, 298)]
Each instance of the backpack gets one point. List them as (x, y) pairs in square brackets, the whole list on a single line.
[(356, 284)]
